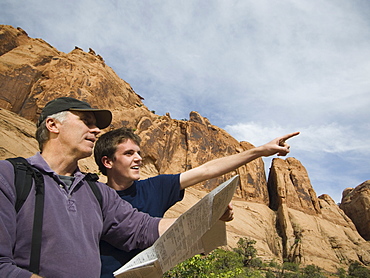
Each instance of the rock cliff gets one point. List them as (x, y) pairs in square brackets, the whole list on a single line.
[(283, 214), (313, 230), (356, 204)]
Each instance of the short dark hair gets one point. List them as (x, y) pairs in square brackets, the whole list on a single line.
[(108, 142)]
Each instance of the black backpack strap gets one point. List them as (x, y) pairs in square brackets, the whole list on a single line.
[(22, 180), (37, 223), (24, 173), (91, 180)]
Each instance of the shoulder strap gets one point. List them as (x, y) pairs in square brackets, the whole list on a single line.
[(91, 180), (22, 180), (37, 223), (24, 173)]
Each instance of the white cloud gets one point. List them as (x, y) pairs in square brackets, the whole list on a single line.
[(335, 156), (331, 138)]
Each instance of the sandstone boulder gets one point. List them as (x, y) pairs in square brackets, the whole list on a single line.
[(313, 230), (356, 204)]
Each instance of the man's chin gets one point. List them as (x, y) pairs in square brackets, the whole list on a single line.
[(86, 154)]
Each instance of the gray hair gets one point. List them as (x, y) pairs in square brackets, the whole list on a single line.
[(42, 133)]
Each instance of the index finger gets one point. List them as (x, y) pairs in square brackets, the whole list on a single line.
[(288, 136)]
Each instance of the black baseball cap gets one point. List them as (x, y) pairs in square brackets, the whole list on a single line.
[(103, 117)]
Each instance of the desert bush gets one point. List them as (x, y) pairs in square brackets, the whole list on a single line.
[(356, 270)]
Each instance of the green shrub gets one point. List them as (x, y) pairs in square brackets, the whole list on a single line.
[(225, 260), (312, 271), (220, 263), (242, 262), (270, 274), (341, 273), (196, 266), (273, 264), (294, 267), (256, 263), (246, 250), (356, 270)]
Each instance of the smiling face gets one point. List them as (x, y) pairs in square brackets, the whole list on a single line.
[(77, 133), (125, 166)]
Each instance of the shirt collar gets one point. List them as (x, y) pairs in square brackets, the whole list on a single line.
[(39, 163)]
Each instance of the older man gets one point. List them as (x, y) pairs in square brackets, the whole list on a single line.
[(73, 220)]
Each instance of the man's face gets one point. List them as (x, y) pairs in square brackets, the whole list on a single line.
[(78, 133), (126, 163)]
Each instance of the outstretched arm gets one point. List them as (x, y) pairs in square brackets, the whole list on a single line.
[(223, 165)]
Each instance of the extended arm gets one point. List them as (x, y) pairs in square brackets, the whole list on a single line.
[(220, 166)]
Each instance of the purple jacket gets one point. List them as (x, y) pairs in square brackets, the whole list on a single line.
[(73, 225)]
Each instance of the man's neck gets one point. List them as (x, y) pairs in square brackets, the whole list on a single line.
[(119, 185), (60, 164)]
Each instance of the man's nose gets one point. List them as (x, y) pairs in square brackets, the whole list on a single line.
[(138, 156), (94, 129)]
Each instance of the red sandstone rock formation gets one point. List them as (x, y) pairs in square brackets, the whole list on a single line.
[(172, 146), (356, 204), (313, 230), (33, 72), (283, 215)]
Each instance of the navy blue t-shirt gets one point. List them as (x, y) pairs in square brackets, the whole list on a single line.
[(153, 196)]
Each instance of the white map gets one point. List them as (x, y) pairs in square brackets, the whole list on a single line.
[(196, 231)]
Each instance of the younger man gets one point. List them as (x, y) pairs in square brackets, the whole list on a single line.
[(117, 154)]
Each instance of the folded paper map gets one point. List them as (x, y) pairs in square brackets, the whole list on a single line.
[(196, 231)]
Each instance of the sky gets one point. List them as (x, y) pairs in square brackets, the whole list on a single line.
[(257, 69)]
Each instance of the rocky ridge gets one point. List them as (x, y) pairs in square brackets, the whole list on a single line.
[(282, 213), (356, 204)]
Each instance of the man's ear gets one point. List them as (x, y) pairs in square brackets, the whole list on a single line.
[(51, 125), (106, 162)]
